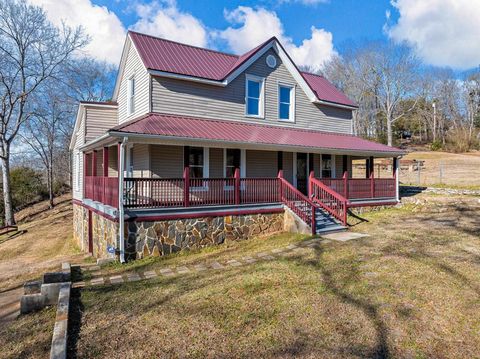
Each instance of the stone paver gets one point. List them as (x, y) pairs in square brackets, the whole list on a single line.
[(167, 272), (265, 256), (291, 246), (199, 267), (183, 270), (133, 277), (234, 263), (277, 250), (116, 279), (78, 284), (97, 281), (344, 236), (150, 274), (216, 265), (92, 268), (249, 260)]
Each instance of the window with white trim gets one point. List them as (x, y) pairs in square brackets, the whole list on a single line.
[(196, 162), (286, 100), (326, 166), (254, 95), (131, 95), (232, 161)]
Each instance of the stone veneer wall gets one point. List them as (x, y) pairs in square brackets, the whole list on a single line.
[(165, 237), (104, 232)]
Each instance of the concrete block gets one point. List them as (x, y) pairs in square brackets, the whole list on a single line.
[(50, 291), (32, 302), (56, 277), (102, 261), (32, 287)]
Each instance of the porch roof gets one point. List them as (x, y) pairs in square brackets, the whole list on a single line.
[(168, 126)]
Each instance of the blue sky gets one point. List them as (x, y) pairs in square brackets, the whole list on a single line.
[(443, 32)]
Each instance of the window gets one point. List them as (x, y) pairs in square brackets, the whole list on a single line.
[(131, 95), (326, 166), (232, 161), (254, 96), (286, 102), (196, 162)]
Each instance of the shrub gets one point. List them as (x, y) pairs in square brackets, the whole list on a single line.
[(436, 145)]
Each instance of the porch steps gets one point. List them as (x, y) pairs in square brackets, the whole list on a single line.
[(325, 223)]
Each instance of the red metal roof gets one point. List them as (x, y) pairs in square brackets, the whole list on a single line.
[(234, 131), (173, 57)]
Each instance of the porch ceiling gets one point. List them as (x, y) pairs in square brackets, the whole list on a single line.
[(171, 128)]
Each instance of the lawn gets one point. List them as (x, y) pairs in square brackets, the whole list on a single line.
[(409, 290)]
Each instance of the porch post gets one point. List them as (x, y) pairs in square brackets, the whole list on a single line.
[(237, 185), (372, 179), (345, 184), (396, 177), (186, 186), (105, 171), (280, 185)]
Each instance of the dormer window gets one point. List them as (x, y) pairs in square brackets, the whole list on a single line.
[(286, 103), (254, 96), (131, 95)]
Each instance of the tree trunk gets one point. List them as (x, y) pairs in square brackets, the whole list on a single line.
[(7, 191), (389, 131), (50, 186)]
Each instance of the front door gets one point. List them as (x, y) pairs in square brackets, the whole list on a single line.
[(302, 174)]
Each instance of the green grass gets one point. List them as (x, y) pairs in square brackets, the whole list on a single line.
[(409, 290)]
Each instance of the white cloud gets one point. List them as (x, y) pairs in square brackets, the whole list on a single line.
[(105, 29), (258, 25), (444, 32), (306, 2), (164, 19)]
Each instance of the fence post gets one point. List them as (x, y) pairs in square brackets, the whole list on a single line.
[(186, 186), (237, 185), (280, 185), (345, 184)]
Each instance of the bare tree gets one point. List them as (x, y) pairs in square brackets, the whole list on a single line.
[(31, 51)]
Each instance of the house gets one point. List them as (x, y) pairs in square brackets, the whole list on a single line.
[(198, 147)]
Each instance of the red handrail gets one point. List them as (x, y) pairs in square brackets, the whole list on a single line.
[(331, 201), (300, 204)]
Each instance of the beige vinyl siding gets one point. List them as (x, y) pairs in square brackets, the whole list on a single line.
[(228, 103), (99, 120), (133, 67), (141, 160), (77, 161), (261, 163), (288, 166), (216, 163), (113, 161), (166, 161)]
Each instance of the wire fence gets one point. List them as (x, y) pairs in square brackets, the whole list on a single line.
[(428, 172)]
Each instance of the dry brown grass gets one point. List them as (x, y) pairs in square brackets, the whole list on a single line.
[(409, 290), (47, 242)]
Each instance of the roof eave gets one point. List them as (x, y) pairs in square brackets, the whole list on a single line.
[(251, 145)]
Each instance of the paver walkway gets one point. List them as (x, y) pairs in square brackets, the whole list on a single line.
[(297, 249)]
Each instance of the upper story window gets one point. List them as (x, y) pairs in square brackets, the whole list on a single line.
[(254, 96), (286, 103), (131, 95)]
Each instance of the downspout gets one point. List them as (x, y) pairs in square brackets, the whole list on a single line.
[(121, 212)]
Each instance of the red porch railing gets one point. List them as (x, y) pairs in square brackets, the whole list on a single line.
[(362, 188), (102, 189), (328, 199)]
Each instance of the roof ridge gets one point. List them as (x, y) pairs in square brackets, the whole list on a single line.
[(311, 73), (183, 44)]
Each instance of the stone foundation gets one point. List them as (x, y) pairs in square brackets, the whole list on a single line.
[(165, 237), (104, 232)]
